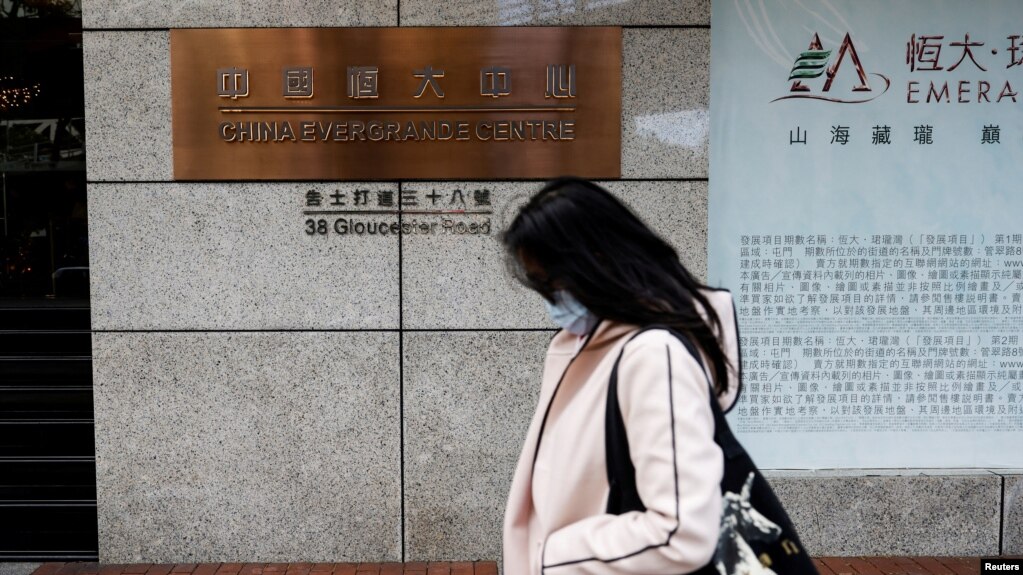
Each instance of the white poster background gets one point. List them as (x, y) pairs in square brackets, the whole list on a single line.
[(842, 230)]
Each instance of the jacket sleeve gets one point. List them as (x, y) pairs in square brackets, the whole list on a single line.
[(665, 402)]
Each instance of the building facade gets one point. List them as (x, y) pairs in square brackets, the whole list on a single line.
[(262, 394)]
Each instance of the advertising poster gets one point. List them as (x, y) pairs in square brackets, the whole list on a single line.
[(866, 210)]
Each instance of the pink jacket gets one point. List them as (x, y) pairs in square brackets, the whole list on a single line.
[(555, 521)]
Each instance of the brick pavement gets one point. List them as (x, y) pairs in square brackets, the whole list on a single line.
[(898, 565)]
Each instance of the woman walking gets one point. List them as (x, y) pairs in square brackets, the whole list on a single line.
[(604, 276)]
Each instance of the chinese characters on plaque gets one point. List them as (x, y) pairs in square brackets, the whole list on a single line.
[(463, 102), (362, 82)]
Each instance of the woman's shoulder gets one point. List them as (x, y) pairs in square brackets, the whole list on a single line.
[(656, 355), (652, 335), (649, 344), (657, 341)]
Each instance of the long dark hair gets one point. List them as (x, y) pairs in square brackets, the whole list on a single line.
[(589, 243)]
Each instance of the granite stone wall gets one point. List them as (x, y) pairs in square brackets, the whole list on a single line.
[(264, 395)]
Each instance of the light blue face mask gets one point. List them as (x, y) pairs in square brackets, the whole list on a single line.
[(567, 312)]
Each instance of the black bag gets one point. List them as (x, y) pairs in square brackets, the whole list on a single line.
[(746, 543)]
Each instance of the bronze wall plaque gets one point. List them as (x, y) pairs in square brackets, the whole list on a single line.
[(396, 103)]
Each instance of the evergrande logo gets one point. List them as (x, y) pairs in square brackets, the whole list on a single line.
[(813, 63)]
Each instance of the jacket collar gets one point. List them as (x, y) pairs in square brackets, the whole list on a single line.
[(601, 337), (607, 332)]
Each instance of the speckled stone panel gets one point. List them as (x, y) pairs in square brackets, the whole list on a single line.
[(665, 103), (237, 13), (247, 447), (554, 13), (234, 256), (461, 281), (18, 568), (469, 397), (911, 513), (127, 105), (1012, 519)]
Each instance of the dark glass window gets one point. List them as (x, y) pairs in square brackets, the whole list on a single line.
[(43, 231), (47, 451)]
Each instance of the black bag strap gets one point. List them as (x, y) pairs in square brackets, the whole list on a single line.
[(621, 474)]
